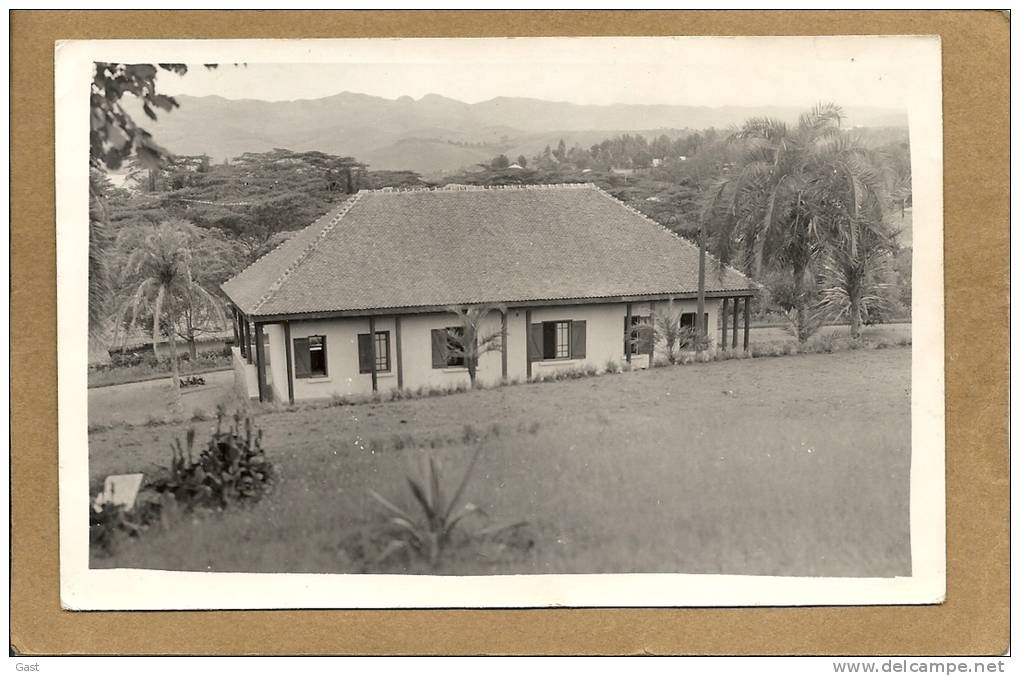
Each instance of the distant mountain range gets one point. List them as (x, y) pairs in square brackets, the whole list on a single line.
[(435, 134)]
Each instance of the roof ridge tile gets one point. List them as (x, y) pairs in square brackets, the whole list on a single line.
[(303, 255), (463, 187)]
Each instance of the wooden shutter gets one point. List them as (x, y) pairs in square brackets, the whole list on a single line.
[(535, 342), (549, 340), (364, 353), (302, 363), (577, 339), (438, 348), (645, 335)]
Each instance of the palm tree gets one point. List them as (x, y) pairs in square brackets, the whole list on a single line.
[(667, 328), (780, 211), (469, 343), (852, 284), (847, 197), (157, 278), (99, 287)]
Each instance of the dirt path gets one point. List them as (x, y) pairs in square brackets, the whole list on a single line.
[(137, 403)]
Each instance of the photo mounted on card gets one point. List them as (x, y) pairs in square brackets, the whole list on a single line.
[(468, 323)]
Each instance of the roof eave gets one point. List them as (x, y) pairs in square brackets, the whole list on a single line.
[(547, 302)]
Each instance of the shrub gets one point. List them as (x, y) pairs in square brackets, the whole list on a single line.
[(828, 342), (106, 524), (612, 366), (232, 468)]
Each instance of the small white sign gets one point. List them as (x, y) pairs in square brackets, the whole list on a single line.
[(120, 489)]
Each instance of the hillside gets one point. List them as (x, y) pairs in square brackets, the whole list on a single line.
[(428, 155), (405, 133)]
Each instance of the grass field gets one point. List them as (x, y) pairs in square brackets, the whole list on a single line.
[(777, 466)]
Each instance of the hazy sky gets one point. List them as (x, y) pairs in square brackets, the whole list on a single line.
[(864, 71)]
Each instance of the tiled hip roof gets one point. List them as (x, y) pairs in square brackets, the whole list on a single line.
[(429, 248)]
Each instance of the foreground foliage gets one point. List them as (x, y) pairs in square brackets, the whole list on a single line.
[(231, 469), (436, 527)]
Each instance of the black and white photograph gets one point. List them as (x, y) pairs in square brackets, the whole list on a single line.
[(500, 322)]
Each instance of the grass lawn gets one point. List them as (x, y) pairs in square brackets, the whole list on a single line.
[(776, 466)]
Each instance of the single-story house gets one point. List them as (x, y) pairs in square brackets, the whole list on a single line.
[(360, 300)]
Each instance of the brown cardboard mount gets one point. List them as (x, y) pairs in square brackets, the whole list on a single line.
[(975, 616)]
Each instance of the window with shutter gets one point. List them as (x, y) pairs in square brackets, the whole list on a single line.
[(551, 340), (535, 342), (382, 352), (438, 348), (578, 339), (301, 366), (640, 334), (310, 357), (454, 348), (446, 347), (687, 322)]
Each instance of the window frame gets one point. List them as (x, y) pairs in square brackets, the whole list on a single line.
[(556, 343), (461, 361), (322, 347), (562, 331), (387, 356), (632, 334)]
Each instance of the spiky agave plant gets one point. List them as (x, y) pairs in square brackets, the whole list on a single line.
[(430, 533)]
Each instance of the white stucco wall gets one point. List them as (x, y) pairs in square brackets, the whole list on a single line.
[(276, 373), (604, 342)]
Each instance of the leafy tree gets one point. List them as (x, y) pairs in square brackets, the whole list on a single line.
[(114, 135), (522, 161), (661, 147), (470, 342), (642, 159), (499, 162), (561, 151)]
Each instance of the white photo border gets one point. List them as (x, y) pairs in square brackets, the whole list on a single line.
[(916, 60)]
